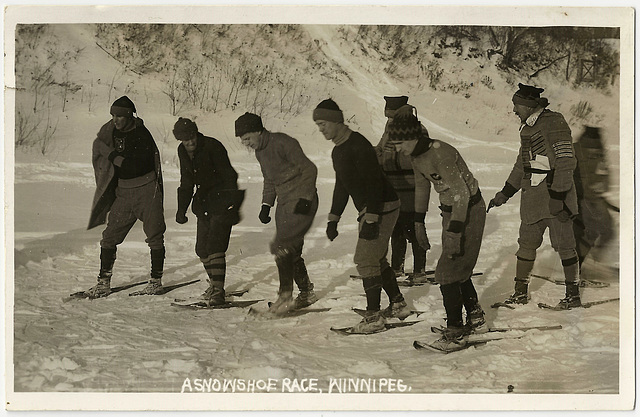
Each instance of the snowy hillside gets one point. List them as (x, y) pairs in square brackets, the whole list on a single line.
[(144, 345)]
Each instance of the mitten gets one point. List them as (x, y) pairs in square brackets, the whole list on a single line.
[(233, 216), (497, 201), (421, 235), (264, 214), (181, 218), (452, 244), (332, 230), (302, 207), (369, 231)]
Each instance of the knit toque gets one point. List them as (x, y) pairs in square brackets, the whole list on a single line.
[(529, 96), (328, 110), (404, 127), (247, 123), (123, 107), (184, 129)]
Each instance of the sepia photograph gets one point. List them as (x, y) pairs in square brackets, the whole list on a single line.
[(338, 208)]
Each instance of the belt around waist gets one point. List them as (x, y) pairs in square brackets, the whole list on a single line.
[(475, 199)]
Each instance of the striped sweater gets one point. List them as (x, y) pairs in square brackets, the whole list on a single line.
[(544, 166)]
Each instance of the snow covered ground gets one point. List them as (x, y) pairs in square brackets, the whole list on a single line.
[(125, 344)]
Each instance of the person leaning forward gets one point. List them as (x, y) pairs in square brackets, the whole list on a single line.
[(398, 170), (289, 178), (126, 164), (359, 176), (205, 165), (463, 219), (544, 172)]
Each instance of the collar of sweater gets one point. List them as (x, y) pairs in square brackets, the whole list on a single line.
[(533, 118), (342, 135), (423, 145), (263, 140)]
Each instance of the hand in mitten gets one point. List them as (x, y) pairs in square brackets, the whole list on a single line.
[(369, 230), (181, 218), (264, 214), (332, 230), (421, 235), (233, 215), (302, 207), (452, 244), (497, 201)]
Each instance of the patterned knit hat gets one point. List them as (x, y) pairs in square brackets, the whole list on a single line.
[(184, 129), (247, 123), (528, 95), (405, 127), (328, 110), (123, 107)]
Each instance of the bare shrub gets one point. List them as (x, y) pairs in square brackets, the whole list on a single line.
[(582, 110)]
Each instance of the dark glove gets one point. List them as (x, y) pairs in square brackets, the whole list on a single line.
[(233, 216), (181, 218), (452, 244), (497, 201), (264, 214), (302, 207), (332, 230), (369, 231), (421, 235)]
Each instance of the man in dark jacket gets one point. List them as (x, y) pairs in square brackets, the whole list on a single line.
[(544, 172), (289, 177), (359, 176), (204, 164), (126, 163)]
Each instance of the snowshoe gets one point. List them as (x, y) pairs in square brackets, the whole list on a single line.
[(305, 299), (398, 310), (388, 326), (101, 289), (517, 298), (372, 322), (154, 287), (569, 302), (282, 305), (214, 295), (453, 339)]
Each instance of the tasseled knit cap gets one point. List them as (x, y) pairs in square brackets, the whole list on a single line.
[(405, 126), (247, 123), (591, 137), (529, 96), (328, 110), (123, 107), (184, 129), (394, 103)]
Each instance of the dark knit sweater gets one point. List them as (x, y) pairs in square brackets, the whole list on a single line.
[(137, 148), (359, 176)]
